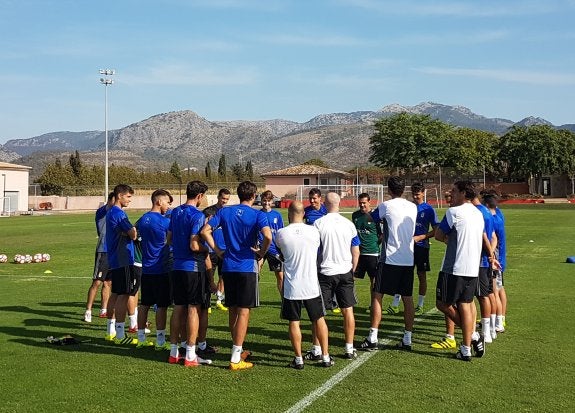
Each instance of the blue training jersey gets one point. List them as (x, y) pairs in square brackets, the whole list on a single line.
[(499, 221), (276, 223), (488, 223), (426, 217), (100, 219), (240, 226), (311, 214), (120, 246), (153, 229), (186, 221)]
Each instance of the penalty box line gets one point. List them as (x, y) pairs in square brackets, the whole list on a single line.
[(347, 370)]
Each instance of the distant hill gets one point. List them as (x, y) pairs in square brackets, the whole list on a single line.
[(340, 139)]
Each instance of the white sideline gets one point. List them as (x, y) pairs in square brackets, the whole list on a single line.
[(346, 371)]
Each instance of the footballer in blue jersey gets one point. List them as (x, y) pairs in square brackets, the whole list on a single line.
[(485, 295), (215, 261), (100, 276), (316, 209), (425, 225), (491, 202), (191, 283), (276, 223), (120, 236), (153, 232), (240, 225)]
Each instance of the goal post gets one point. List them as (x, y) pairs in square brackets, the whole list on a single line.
[(6, 206)]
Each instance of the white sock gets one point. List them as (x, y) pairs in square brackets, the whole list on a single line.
[(133, 321), (111, 327), (174, 350), (326, 358), (236, 354), (396, 299), (499, 322), (492, 320), (485, 329), (190, 353), (120, 333), (141, 335), (420, 301), (372, 336), (219, 295), (475, 336), (103, 311), (349, 347), (160, 337), (298, 360), (407, 337), (183, 344), (202, 345), (465, 350), (316, 350), (449, 336)]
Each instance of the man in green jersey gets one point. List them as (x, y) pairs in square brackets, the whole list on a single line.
[(370, 237)]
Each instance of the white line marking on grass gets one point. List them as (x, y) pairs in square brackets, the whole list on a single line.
[(346, 371)]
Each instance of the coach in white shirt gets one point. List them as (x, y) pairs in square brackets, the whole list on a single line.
[(298, 244)]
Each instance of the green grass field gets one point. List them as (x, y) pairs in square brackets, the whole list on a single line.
[(528, 368)]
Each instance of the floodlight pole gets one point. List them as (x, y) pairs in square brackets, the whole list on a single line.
[(106, 82)]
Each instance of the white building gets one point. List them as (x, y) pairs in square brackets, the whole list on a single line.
[(14, 187)]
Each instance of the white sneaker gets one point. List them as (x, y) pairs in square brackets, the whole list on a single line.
[(488, 338), (203, 361), (88, 316)]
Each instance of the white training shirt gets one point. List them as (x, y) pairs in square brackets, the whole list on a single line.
[(463, 226), (298, 244), (336, 233), (398, 216)]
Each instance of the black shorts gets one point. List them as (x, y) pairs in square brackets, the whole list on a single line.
[(189, 287), (156, 290), (366, 264), (217, 262), (340, 285), (421, 259), (126, 280), (291, 309), (452, 289), (242, 289), (394, 279), (274, 262), (101, 272), (484, 285)]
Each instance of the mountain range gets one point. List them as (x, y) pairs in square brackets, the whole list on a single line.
[(340, 139)]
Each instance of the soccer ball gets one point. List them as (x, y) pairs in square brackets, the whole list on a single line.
[(20, 259), (37, 258), (28, 258), (45, 257), (3, 258)]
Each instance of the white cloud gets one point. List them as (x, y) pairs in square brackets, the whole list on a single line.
[(459, 8), (185, 75), (505, 75)]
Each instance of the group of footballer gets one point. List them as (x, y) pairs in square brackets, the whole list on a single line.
[(170, 256)]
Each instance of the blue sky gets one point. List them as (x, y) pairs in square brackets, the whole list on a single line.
[(290, 59)]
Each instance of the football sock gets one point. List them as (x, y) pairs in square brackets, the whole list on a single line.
[(202, 345), (407, 337), (325, 358), (475, 336), (485, 326), (190, 353), (183, 344), (316, 350), (236, 354), (420, 301), (298, 360), (372, 336), (396, 299), (174, 350), (133, 320), (103, 311), (141, 335), (349, 347), (449, 336), (160, 337), (111, 326), (499, 322), (492, 320), (465, 350), (219, 295), (120, 333)]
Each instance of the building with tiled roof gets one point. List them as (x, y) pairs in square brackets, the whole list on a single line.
[(290, 180)]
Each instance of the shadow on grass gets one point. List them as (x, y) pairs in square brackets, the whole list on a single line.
[(46, 313)]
